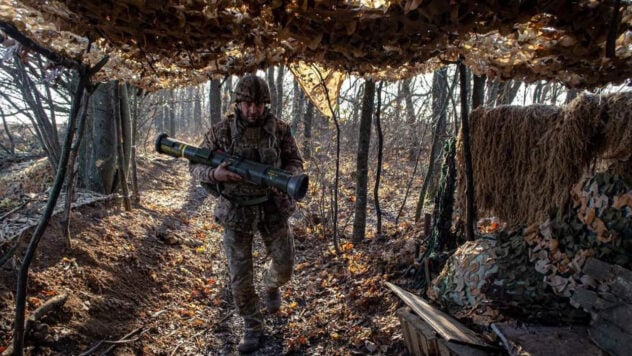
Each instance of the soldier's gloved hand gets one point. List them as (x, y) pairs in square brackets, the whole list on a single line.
[(222, 174)]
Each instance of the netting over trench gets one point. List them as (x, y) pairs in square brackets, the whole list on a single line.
[(526, 159)]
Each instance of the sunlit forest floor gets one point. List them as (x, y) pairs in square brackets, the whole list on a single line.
[(153, 280)]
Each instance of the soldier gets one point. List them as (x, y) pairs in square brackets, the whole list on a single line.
[(253, 133)]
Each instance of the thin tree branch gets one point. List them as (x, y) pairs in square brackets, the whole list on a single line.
[(380, 141), (70, 182), (337, 176), (467, 154)]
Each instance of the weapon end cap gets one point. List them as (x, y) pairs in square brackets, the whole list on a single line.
[(159, 140), (297, 186)]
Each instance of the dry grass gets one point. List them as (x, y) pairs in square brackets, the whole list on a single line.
[(525, 159)]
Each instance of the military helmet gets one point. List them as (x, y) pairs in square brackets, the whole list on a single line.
[(253, 89)]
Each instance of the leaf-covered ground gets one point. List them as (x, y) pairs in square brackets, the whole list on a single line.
[(153, 281)]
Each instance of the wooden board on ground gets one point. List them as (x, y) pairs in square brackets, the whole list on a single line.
[(446, 326), (422, 340), (546, 340)]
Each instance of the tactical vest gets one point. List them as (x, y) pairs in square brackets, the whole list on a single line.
[(257, 144)]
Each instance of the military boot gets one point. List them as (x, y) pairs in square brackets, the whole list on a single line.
[(272, 300), (251, 341)]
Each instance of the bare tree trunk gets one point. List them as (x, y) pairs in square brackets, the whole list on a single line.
[(378, 173), (413, 138), (570, 95), (171, 107), (159, 121), (273, 91), (279, 91), (134, 117), (478, 91), (165, 111), (439, 90), (444, 206), (307, 131), (298, 103), (397, 104), (362, 161), (431, 163), (441, 98), (492, 93), (11, 149), (180, 108), (215, 102), (538, 97), (197, 112), (49, 99), (70, 180), (85, 155), (42, 124), (467, 154), (555, 93), (126, 126), (334, 202), (228, 96), (102, 168), (187, 120), (444, 202), (355, 117), (508, 91), (544, 96), (120, 157)]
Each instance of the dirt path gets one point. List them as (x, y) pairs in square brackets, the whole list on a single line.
[(157, 274)]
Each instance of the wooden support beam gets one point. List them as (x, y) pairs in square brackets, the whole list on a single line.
[(446, 326)]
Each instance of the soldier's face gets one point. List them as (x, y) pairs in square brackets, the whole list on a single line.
[(252, 111)]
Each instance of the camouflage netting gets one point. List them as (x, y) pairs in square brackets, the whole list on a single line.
[(600, 226), (491, 280), (526, 159), (530, 272), (155, 44)]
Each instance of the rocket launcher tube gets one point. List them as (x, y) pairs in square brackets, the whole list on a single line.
[(253, 172)]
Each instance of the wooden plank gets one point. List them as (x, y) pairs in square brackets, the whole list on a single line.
[(545, 340), (423, 337), (417, 343), (412, 343), (448, 327), (410, 336), (430, 338)]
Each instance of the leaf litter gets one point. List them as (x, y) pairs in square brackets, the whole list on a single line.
[(153, 281)]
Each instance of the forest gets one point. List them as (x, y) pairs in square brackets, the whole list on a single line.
[(496, 199)]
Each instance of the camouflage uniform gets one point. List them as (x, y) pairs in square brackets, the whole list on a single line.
[(270, 143)]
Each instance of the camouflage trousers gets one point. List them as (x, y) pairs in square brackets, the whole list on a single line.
[(279, 243)]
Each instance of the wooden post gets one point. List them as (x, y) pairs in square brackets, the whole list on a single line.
[(122, 171)]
